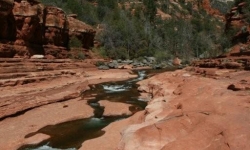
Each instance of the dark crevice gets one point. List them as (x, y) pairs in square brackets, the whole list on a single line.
[(19, 113)]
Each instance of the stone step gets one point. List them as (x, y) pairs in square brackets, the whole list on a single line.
[(13, 79), (34, 67), (50, 60), (22, 81), (12, 75), (14, 60), (11, 60), (19, 103), (27, 80)]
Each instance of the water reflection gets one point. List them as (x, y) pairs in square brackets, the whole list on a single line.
[(70, 135)]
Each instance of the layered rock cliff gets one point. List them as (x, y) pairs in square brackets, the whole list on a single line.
[(28, 27), (237, 28), (237, 19)]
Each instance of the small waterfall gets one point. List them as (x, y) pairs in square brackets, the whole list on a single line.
[(126, 86), (115, 88), (141, 75)]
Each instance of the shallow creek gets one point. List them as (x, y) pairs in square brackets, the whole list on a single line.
[(70, 135)]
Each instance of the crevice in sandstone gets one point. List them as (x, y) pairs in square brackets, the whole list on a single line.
[(226, 143), (179, 106), (205, 113), (19, 113), (159, 131), (173, 117)]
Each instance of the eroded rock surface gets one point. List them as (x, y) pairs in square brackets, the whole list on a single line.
[(30, 83), (35, 93), (115, 109), (205, 114), (29, 28)]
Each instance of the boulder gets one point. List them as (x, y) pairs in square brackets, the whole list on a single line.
[(37, 57), (113, 65), (103, 67), (145, 61), (119, 60), (150, 59), (136, 64), (127, 62), (125, 67), (158, 66), (110, 108), (176, 61)]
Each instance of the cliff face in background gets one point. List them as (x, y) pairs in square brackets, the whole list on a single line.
[(28, 28), (236, 19), (237, 27)]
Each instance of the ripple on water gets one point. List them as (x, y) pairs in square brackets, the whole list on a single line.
[(115, 88)]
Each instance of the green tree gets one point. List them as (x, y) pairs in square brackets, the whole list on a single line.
[(150, 9), (74, 7), (104, 7)]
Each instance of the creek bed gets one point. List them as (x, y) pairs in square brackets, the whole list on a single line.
[(70, 135)]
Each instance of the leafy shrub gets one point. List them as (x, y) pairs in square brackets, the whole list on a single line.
[(99, 63), (81, 56), (161, 56), (100, 51), (75, 42)]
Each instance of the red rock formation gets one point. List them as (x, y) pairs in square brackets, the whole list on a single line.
[(6, 20), (207, 6), (236, 19), (206, 114), (238, 56), (176, 61), (29, 28), (56, 27), (28, 22), (82, 31)]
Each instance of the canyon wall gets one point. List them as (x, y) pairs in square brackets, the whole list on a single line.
[(237, 28), (28, 28)]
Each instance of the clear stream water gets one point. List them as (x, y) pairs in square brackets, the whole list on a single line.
[(70, 135)]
